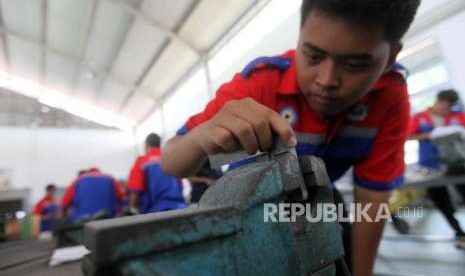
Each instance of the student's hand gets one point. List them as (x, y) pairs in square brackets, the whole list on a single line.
[(425, 136), (210, 182), (36, 219), (420, 136), (244, 122), (200, 179)]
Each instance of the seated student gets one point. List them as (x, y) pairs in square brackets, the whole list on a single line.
[(45, 211), (123, 185), (336, 96), (150, 190), (422, 124), (204, 178), (93, 192)]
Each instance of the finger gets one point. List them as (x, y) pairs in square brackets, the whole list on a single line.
[(261, 127), (221, 140), (282, 128), (278, 125), (274, 122), (244, 132)]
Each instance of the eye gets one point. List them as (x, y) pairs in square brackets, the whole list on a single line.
[(314, 59), (356, 66)]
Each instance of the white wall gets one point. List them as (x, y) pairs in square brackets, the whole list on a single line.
[(42, 155), (452, 43)]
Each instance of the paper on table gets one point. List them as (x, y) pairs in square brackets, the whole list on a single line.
[(68, 254), (447, 130)]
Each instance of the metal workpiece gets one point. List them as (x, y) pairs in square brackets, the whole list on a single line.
[(226, 158), (227, 233)]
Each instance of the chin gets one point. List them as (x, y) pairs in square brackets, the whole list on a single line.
[(329, 111), (322, 110)]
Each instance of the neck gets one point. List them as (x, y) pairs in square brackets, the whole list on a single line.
[(434, 112)]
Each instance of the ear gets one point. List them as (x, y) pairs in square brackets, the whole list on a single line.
[(395, 50)]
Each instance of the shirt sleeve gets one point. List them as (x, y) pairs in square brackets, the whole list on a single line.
[(462, 119), (136, 177), (39, 208), (384, 167), (68, 196), (239, 87), (414, 126), (119, 193)]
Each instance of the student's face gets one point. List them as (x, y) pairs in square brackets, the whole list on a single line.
[(338, 62), (51, 192), (442, 108)]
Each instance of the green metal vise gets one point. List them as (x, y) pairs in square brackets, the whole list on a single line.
[(227, 233)]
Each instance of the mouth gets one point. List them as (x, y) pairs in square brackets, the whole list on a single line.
[(323, 100)]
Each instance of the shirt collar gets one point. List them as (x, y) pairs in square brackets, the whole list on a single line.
[(154, 151), (47, 197), (385, 80)]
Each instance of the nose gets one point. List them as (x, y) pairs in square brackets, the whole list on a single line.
[(328, 76)]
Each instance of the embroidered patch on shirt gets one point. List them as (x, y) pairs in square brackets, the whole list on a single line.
[(289, 114)]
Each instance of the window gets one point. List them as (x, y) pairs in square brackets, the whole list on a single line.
[(427, 79)]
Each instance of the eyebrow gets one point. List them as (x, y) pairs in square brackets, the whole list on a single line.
[(314, 48)]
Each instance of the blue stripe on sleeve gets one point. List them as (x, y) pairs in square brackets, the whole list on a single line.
[(379, 186), (182, 131)]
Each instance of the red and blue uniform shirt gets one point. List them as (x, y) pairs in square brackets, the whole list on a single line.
[(158, 191), (370, 136), (47, 209), (422, 122), (92, 192)]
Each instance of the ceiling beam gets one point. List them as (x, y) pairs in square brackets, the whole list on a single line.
[(144, 73), (158, 26), (163, 97), (89, 29), (75, 59), (84, 47), (157, 55), (4, 41), (43, 65), (113, 60)]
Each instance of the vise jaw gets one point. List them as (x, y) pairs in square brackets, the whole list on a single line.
[(227, 233)]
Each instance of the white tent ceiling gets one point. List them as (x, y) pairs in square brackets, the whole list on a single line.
[(122, 56)]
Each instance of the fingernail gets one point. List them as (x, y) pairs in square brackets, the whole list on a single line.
[(292, 141)]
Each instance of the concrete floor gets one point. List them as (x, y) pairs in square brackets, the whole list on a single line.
[(428, 250)]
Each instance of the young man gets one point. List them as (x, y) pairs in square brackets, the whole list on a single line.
[(422, 124), (92, 192), (149, 188), (335, 97), (45, 212)]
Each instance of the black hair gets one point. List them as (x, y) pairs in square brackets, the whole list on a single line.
[(152, 141), (449, 95), (50, 187), (395, 16)]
